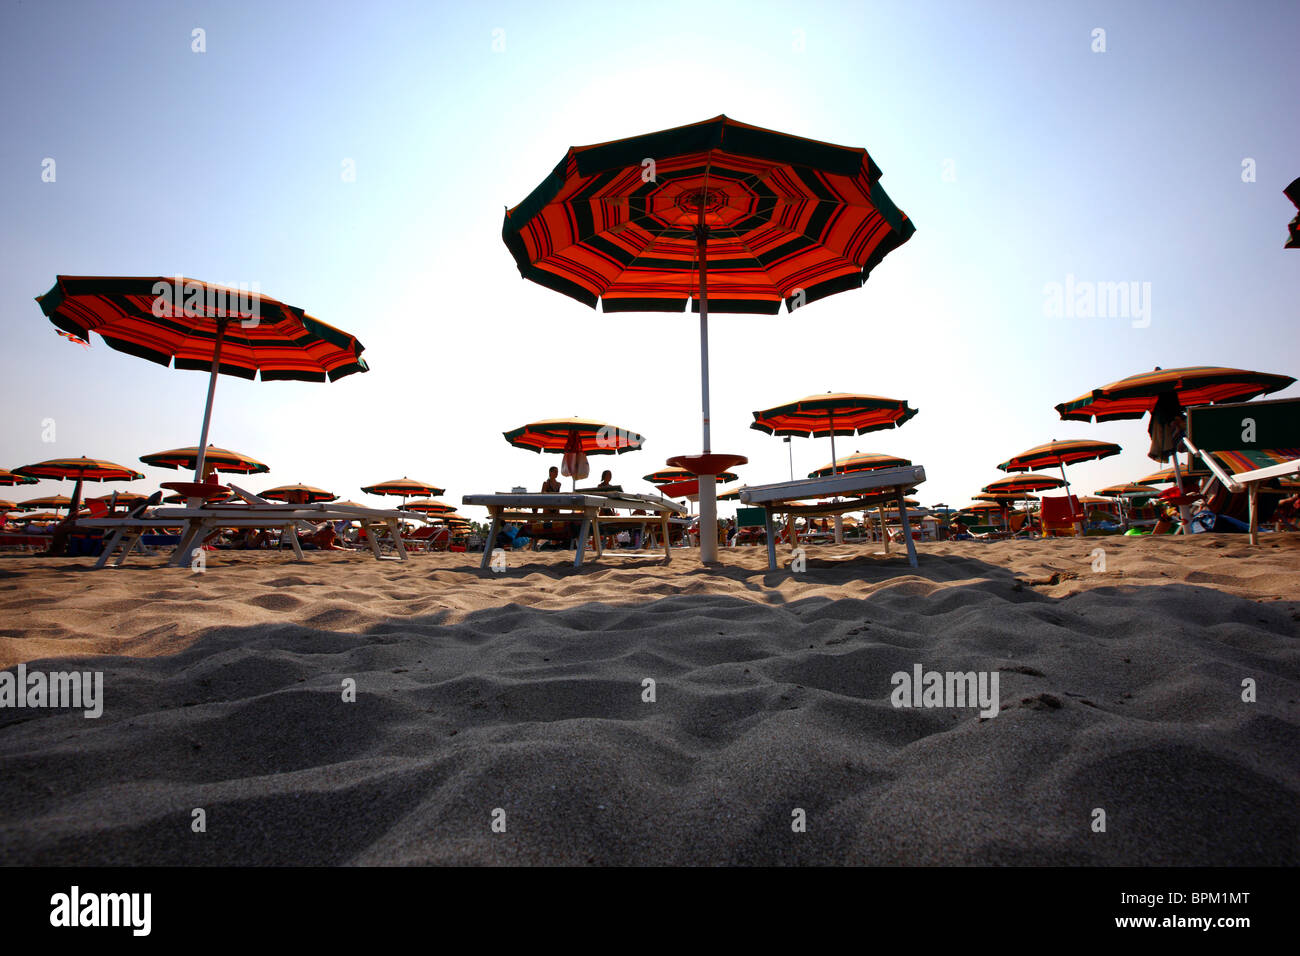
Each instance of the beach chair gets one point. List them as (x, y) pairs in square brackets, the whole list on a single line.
[(1058, 515), (1246, 444)]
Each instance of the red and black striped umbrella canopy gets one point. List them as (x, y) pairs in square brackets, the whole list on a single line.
[(312, 494), (10, 478), (1016, 483), (668, 476), (429, 506), (403, 487), (729, 494), (787, 219), (121, 497), (833, 413), (173, 320), (219, 458), (859, 461), (7, 505), (560, 434), (1136, 395), (1060, 453), (79, 469)]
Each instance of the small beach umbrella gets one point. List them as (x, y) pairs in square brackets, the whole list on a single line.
[(1167, 476), (1139, 394), (722, 215), (1061, 453), (404, 488), (219, 458), (188, 324), (671, 476), (46, 501), (833, 414), (7, 506), (313, 494), (1026, 482), (8, 478), (574, 438), (429, 506), (80, 470), (859, 461), (729, 494)]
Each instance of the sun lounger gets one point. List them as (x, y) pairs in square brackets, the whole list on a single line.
[(251, 511), (581, 507), (1245, 444), (861, 489)]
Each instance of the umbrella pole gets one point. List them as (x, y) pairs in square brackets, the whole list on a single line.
[(207, 411), (839, 519), (708, 491), (1078, 525), (1184, 511)]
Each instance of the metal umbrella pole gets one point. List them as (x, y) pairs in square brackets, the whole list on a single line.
[(708, 491), (212, 388)]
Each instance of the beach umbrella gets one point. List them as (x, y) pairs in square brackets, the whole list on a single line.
[(42, 516), (404, 488), (189, 324), (1138, 395), (428, 506), (6, 506), (47, 501), (220, 459), (859, 461), (1026, 482), (1126, 491), (313, 494), (1004, 500), (575, 439), (1061, 453), (671, 476), (80, 470), (728, 494), (8, 478), (722, 215), (833, 414), (1168, 476)]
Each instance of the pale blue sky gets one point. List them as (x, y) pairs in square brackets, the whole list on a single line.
[(225, 166)]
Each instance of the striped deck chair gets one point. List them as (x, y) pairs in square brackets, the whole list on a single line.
[(1246, 444)]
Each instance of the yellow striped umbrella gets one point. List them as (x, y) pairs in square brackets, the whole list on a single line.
[(859, 461), (404, 488), (429, 506), (220, 459), (1137, 395), (9, 478)]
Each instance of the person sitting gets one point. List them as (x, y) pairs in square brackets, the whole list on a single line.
[(551, 485)]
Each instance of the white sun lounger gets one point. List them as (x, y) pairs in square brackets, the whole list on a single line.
[(582, 507), (861, 489), (252, 512)]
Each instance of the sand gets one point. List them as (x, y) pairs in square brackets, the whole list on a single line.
[(518, 698)]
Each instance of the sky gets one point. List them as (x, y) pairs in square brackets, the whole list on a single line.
[(1024, 153)]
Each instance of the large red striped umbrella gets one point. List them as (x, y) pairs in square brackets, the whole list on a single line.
[(1168, 476), (835, 413), (719, 214), (196, 325), (859, 461), (219, 458), (10, 478), (404, 488), (1137, 395)]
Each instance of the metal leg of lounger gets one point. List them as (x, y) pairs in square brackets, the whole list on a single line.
[(292, 531), (397, 539), (491, 541), (771, 538), (132, 540), (372, 536), (907, 530), (109, 547), (181, 556), (595, 530), (583, 528), (1253, 496), (884, 531), (663, 529)]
